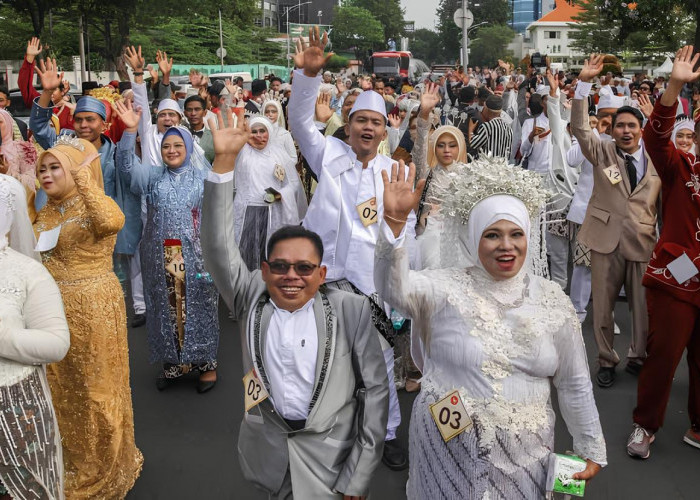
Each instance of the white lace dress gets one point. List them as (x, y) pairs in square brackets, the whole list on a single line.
[(500, 344), (33, 331)]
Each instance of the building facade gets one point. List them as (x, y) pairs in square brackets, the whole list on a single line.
[(549, 35), (525, 12)]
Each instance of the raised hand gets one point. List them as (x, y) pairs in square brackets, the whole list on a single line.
[(323, 107), (162, 59), (399, 195), (645, 105), (130, 117), (153, 72), (48, 74), (134, 58), (394, 121), (683, 65), (312, 58), (429, 99), (228, 142), (34, 48), (87, 161), (591, 68), (340, 86)]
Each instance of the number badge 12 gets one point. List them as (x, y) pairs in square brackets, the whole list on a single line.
[(450, 416)]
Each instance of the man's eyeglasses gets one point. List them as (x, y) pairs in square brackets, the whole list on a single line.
[(301, 268)]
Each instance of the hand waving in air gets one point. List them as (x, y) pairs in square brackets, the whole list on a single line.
[(400, 197), (48, 74), (34, 48), (591, 68), (228, 142), (645, 105), (430, 98), (128, 115), (311, 58)]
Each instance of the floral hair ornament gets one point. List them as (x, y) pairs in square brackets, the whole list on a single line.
[(489, 176)]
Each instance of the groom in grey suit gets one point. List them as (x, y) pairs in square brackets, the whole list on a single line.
[(313, 350)]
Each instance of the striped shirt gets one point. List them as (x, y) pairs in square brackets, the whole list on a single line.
[(494, 136)]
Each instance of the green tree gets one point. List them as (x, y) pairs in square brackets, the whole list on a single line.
[(388, 12), (493, 12), (356, 28), (491, 45), (641, 27), (425, 45)]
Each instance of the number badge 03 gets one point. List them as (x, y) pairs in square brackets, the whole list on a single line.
[(254, 391), (450, 416)]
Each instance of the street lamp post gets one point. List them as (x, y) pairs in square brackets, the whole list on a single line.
[(286, 13)]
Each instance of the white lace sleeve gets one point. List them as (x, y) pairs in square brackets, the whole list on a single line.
[(419, 154), (573, 382), (410, 292)]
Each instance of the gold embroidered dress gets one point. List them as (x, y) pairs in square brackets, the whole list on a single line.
[(90, 386)]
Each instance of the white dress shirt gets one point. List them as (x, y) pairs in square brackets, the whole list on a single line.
[(290, 359), (640, 162)]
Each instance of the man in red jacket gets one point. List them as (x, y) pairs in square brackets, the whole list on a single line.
[(672, 278), (29, 93)]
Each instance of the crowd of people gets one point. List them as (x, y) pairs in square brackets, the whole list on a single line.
[(366, 235)]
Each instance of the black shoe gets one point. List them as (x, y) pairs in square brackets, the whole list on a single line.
[(205, 385), (138, 320), (394, 455), (606, 376), (633, 367), (163, 383)]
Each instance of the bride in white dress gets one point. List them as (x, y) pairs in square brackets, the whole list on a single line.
[(33, 331), (494, 332)]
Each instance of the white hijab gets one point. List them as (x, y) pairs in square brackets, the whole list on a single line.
[(14, 218), (280, 114), (487, 212), (254, 173)]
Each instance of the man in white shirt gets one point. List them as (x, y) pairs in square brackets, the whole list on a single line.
[(316, 391), (347, 203)]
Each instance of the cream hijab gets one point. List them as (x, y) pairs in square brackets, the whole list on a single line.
[(453, 132)]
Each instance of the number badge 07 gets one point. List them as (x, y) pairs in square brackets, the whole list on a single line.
[(450, 416), (254, 391), (368, 212)]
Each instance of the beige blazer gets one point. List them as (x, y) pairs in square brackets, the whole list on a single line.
[(342, 442), (615, 216)]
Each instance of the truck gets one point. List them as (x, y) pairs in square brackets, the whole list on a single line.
[(394, 63)]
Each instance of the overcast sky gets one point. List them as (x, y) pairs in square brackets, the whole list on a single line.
[(422, 12)]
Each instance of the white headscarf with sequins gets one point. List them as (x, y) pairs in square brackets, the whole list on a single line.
[(15, 226)]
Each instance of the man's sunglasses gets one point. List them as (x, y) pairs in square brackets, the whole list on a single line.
[(282, 267)]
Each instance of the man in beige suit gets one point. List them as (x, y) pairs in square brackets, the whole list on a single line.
[(620, 222)]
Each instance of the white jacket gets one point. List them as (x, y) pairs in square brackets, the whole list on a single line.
[(348, 246)]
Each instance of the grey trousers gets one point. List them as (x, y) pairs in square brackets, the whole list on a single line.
[(609, 273)]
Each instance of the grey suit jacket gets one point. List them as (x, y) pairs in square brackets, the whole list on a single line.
[(615, 216), (342, 442)]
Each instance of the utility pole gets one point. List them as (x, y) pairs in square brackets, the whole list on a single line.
[(221, 42), (81, 46), (465, 35)]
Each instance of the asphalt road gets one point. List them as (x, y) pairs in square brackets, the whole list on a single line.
[(189, 439)]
